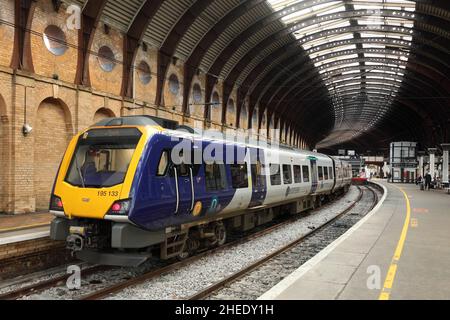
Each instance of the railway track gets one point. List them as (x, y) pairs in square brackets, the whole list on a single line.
[(57, 281), (275, 256), (174, 266), (159, 271), (46, 284)]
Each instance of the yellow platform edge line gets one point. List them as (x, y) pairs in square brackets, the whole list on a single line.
[(390, 277)]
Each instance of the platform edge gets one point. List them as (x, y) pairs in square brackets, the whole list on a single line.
[(278, 289)]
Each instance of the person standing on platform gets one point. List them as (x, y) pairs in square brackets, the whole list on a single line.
[(427, 181)]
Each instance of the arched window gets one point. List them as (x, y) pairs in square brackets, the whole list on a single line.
[(244, 111), (174, 85), (230, 106), (197, 93), (106, 59), (55, 40), (215, 99), (144, 72)]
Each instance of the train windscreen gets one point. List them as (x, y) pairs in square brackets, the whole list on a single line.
[(102, 157)]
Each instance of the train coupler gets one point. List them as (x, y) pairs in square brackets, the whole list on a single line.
[(75, 243)]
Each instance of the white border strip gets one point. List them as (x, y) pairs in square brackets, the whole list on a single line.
[(279, 288), (24, 237)]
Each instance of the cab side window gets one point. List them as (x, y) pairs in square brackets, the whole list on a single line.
[(325, 172), (163, 164), (320, 173)]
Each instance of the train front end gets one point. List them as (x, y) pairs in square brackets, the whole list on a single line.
[(93, 190)]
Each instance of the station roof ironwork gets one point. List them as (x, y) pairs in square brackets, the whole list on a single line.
[(342, 72)]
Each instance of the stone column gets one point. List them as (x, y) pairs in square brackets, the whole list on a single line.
[(445, 159), (421, 156), (432, 152)]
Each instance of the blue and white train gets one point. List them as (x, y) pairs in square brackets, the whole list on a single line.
[(121, 196)]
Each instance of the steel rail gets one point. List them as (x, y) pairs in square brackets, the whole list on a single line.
[(47, 284), (239, 274), (100, 294)]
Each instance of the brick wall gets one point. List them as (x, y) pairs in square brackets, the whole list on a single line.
[(48, 64), (104, 81), (56, 108), (6, 31), (26, 247), (52, 133), (3, 152)]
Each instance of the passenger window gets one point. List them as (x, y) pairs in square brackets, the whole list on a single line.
[(258, 178), (297, 174), (287, 174), (239, 176), (330, 171), (305, 170), (215, 177), (320, 174), (325, 172), (275, 175), (163, 164)]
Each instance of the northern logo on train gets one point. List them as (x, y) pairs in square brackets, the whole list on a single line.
[(197, 209)]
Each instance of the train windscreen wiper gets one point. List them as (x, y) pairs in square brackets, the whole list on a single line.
[(79, 172)]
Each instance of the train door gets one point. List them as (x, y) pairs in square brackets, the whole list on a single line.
[(333, 171), (184, 184), (259, 187), (314, 179)]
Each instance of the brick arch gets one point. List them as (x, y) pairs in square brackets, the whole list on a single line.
[(52, 133), (103, 113)]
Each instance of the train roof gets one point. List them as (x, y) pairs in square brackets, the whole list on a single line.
[(173, 127), (138, 121)]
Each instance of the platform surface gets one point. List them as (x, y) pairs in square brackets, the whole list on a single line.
[(24, 227), (392, 254)]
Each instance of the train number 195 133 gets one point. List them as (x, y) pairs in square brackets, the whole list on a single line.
[(108, 193)]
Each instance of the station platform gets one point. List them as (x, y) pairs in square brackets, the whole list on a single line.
[(400, 250), (24, 227)]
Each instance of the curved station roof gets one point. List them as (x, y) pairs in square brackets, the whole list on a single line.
[(355, 73)]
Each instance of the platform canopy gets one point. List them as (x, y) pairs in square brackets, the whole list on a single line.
[(349, 73)]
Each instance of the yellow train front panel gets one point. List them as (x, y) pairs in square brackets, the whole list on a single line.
[(95, 202)]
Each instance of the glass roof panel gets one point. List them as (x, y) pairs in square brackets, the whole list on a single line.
[(371, 40)]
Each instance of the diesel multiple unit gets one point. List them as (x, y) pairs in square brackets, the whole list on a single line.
[(134, 187)]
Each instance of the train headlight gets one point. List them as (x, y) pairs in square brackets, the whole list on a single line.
[(121, 207), (56, 204)]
